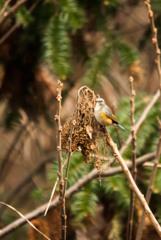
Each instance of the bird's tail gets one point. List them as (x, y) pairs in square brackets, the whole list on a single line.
[(121, 127)]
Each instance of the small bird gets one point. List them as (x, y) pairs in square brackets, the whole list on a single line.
[(104, 115)]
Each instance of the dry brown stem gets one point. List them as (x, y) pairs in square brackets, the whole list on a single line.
[(73, 189), (132, 183), (154, 40), (60, 161), (151, 183), (134, 170)]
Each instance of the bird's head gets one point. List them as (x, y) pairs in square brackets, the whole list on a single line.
[(100, 101)]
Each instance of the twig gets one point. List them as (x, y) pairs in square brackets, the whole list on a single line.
[(132, 183), (60, 162), (21, 215), (73, 189), (154, 40), (4, 7), (134, 170), (147, 164), (11, 11), (151, 183), (158, 152)]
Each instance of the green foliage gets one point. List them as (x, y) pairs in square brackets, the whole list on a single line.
[(23, 17), (127, 54), (98, 65), (58, 46), (12, 118), (72, 14), (38, 195)]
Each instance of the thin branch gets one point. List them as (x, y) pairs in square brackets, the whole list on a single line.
[(70, 191), (21, 215), (132, 183), (154, 39), (134, 170), (12, 10), (151, 183), (4, 7), (60, 162)]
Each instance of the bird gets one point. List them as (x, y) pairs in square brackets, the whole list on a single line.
[(104, 115)]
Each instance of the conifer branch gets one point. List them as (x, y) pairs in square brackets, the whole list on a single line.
[(132, 183), (134, 170), (70, 191)]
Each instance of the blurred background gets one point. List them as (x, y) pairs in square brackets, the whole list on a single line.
[(81, 42)]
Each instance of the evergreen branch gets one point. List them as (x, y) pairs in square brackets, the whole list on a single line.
[(10, 12), (70, 191), (132, 183), (134, 170), (151, 182)]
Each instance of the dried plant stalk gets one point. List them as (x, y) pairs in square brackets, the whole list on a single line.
[(134, 170), (60, 162)]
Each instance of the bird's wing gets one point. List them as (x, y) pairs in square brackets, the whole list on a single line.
[(111, 116)]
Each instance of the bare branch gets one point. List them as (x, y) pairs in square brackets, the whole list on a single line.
[(134, 170)]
